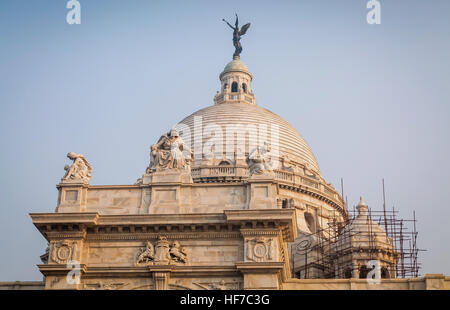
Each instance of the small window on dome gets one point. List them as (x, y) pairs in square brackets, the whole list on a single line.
[(244, 87), (385, 273), (347, 273), (234, 87), (363, 272)]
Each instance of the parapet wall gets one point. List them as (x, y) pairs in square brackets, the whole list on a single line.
[(22, 285), (428, 282)]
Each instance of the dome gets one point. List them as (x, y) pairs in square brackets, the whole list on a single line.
[(241, 115), (365, 230), (236, 65)]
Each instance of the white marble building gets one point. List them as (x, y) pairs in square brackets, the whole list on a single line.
[(233, 198)]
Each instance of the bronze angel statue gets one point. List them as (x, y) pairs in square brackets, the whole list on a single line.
[(237, 33)]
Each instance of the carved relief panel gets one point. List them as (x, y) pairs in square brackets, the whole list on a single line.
[(162, 253), (261, 249), (63, 251)]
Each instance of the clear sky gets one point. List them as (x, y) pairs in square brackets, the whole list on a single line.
[(372, 101)]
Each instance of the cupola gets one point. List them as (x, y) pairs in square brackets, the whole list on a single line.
[(235, 84)]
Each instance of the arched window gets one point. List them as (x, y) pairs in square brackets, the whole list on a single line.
[(234, 87), (225, 86), (244, 87), (384, 273), (348, 273), (363, 272), (309, 218)]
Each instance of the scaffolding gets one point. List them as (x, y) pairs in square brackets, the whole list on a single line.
[(326, 254)]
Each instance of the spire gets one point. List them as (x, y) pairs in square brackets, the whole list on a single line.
[(362, 208)]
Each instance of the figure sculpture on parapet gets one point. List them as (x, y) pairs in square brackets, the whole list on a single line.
[(259, 160), (170, 153), (237, 33), (79, 171)]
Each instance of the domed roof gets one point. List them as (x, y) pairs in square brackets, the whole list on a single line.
[(365, 230), (236, 65), (241, 115)]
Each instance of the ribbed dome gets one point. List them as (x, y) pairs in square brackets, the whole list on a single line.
[(236, 65), (365, 230), (291, 143)]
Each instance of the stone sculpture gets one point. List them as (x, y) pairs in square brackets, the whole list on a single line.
[(169, 153), (177, 253), (79, 171), (147, 255), (162, 253), (259, 160)]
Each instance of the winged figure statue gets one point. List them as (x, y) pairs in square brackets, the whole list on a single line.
[(237, 33)]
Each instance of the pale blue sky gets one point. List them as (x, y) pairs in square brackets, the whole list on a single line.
[(371, 100)]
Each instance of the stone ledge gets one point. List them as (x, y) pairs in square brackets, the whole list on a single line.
[(283, 217), (262, 267), (65, 218), (58, 269)]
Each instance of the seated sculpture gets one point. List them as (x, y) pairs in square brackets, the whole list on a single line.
[(259, 160), (79, 171), (169, 153)]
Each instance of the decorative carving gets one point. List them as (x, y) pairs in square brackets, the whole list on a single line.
[(304, 245), (170, 153), (309, 171), (162, 253), (79, 171), (104, 286), (237, 33), (147, 255), (234, 197), (286, 164), (221, 285), (259, 160), (260, 249), (63, 251), (161, 280), (177, 253)]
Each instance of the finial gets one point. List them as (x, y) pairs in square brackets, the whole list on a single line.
[(361, 202), (362, 207)]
